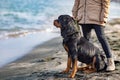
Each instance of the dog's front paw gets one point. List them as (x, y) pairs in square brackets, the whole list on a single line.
[(71, 76)]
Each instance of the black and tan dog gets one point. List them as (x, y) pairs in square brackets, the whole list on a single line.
[(78, 48)]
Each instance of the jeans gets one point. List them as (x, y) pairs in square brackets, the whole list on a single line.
[(99, 30)]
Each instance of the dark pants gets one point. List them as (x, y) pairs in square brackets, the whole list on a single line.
[(99, 30)]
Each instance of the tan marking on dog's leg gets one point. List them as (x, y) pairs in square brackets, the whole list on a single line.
[(83, 68), (72, 75), (66, 48), (68, 61), (92, 69), (89, 71)]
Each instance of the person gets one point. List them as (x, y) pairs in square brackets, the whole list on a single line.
[(93, 14)]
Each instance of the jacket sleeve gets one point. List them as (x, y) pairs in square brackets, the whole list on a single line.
[(105, 4), (75, 8)]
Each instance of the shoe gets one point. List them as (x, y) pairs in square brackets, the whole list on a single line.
[(110, 64)]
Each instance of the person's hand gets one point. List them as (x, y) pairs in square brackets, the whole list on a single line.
[(74, 18)]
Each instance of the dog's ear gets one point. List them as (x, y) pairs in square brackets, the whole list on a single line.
[(56, 23)]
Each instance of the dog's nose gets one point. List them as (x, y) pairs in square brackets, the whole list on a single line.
[(56, 23)]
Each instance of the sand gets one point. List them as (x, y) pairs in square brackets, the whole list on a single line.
[(46, 61)]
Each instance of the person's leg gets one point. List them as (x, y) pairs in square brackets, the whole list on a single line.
[(99, 30), (86, 29)]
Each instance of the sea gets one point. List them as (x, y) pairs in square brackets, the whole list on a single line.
[(26, 23)]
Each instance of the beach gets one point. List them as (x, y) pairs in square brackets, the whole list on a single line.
[(42, 58), (31, 47), (46, 61)]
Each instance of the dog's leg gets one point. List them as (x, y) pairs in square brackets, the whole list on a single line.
[(73, 54), (68, 61), (93, 63), (74, 70), (83, 68), (92, 69)]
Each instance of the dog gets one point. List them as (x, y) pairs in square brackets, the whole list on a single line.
[(78, 48)]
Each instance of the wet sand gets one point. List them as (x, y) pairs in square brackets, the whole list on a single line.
[(46, 61)]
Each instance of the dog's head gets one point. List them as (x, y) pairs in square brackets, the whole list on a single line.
[(63, 21), (67, 25)]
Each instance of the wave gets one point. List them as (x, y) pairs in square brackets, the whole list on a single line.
[(15, 33), (31, 13), (18, 16), (21, 17)]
